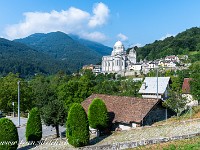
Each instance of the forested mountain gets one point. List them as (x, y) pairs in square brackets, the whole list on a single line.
[(19, 58), (183, 43), (100, 48), (62, 47)]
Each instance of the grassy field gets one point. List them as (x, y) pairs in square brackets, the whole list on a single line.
[(187, 144)]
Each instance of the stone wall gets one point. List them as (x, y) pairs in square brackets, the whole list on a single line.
[(133, 144), (157, 114)]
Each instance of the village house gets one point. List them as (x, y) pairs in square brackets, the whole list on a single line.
[(96, 69), (150, 87), (172, 58), (186, 93), (130, 112)]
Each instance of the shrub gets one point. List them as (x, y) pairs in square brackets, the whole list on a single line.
[(34, 126), (77, 126), (98, 114), (8, 134)]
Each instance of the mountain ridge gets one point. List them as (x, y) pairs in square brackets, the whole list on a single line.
[(181, 44), (19, 58), (62, 47)]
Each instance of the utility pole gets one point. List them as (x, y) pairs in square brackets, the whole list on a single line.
[(13, 103), (18, 103), (157, 83), (157, 96)]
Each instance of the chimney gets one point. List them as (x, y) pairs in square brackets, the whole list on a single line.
[(143, 85)]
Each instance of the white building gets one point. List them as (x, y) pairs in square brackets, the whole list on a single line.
[(118, 61), (172, 58), (150, 86)]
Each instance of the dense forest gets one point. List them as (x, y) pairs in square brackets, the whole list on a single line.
[(19, 58), (40, 90), (184, 43), (74, 52)]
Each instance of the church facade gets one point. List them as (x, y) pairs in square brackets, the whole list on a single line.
[(119, 62)]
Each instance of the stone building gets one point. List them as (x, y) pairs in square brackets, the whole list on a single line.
[(187, 94), (130, 112), (118, 62)]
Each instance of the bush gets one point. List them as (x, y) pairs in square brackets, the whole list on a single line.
[(98, 114), (8, 133), (34, 126), (77, 126)]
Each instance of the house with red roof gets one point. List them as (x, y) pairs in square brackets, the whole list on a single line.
[(128, 112), (186, 93)]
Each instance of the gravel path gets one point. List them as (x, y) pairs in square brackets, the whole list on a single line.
[(137, 134)]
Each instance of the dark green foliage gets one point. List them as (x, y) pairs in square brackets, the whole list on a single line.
[(8, 133), (195, 83), (54, 114), (8, 93), (19, 58), (77, 126), (40, 90), (62, 47), (175, 102), (98, 114), (34, 126), (182, 43)]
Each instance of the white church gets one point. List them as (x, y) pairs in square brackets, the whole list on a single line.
[(119, 62)]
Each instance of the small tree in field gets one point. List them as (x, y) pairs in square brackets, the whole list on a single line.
[(175, 102), (9, 134), (77, 126), (54, 114), (34, 126), (98, 115)]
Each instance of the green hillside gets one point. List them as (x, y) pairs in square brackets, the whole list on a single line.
[(19, 58), (62, 47), (183, 43)]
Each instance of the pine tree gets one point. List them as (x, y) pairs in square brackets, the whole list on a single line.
[(8, 134), (77, 126), (34, 126), (98, 115)]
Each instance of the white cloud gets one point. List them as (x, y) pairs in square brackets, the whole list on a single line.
[(166, 36), (72, 20), (94, 36), (101, 14), (122, 37)]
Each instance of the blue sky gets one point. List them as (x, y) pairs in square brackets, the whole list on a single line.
[(134, 22)]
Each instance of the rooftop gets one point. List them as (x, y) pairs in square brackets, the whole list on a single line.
[(151, 85), (123, 109), (186, 86)]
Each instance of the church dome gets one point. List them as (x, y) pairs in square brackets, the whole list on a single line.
[(118, 44), (118, 48)]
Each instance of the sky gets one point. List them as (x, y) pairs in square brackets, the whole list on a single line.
[(134, 22)]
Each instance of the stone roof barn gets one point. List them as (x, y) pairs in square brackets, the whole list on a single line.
[(129, 111)]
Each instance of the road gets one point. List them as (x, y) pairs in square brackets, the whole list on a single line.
[(46, 130)]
